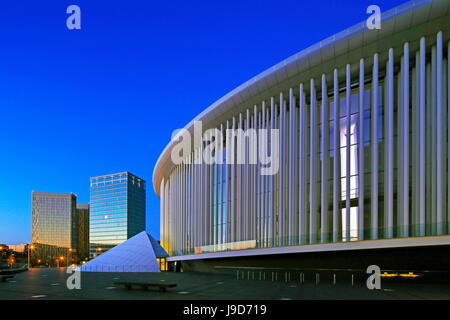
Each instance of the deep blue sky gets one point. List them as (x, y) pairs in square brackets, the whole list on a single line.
[(106, 98)]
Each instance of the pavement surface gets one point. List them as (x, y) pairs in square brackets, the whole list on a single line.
[(50, 284)]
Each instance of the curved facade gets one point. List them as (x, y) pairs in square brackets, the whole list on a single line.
[(363, 143)]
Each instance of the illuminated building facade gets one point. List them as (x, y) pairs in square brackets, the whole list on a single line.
[(54, 225), (364, 150), (117, 210)]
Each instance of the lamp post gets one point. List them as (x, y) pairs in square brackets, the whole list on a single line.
[(11, 261), (61, 258), (70, 250), (30, 247)]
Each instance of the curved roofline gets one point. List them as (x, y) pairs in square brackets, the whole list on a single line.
[(357, 36)]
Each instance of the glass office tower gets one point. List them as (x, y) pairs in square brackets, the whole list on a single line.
[(117, 210), (54, 225)]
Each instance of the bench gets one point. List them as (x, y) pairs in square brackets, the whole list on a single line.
[(5, 278), (144, 285)]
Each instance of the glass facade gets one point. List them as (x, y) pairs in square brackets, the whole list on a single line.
[(54, 225), (364, 147), (117, 210)]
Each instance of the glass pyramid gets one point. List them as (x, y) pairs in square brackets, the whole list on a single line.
[(137, 254)]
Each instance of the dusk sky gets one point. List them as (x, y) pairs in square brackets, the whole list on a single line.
[(106, 98)]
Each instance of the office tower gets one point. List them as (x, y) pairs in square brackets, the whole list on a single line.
[(117, 210), (54, 226), (83, 230)]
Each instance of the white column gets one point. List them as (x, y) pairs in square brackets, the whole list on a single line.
[(428, 151), (173, 211), (255, 179), (206, 188), (197, 212), (313, 168), (233, 188), (248, 181), (183, 205), (374, 195), (180, 202), (262, 179), (445, 174), (415, 76), (405, 142), (162, 213), (422, 100), (219, 189), (336, 162), (187, 201), (439, 138), (292, 156), (433, 141), (274, 178), (324, 172), (228, 188), (193, 200), (360, 141), (202, 185), (448, 136), (272, 187), (347, 150), (178, 211), (259, 190), (302, 230), (239, 186), (184, 208), (194, 214), (267, 183), (400, 131), (212, 198), (389, 149), (281, 176)]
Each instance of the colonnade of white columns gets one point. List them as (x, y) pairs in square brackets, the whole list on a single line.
[(380, 171)]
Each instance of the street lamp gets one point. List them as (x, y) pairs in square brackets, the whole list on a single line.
[(59, 259), (11, 261), (70, 250), (1, 254), (30, 247)]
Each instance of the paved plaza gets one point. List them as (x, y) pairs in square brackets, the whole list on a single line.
[(50, 284)]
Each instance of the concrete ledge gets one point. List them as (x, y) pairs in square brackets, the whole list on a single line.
[(341, 246)]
